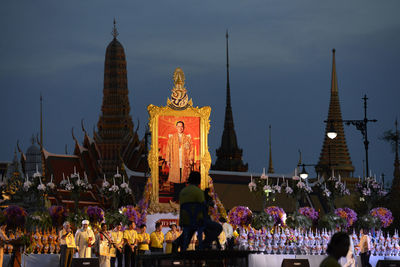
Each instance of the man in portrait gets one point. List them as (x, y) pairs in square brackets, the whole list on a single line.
[(179, 156)]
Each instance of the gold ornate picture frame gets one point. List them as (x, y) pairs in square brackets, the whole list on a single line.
[(177, 108)]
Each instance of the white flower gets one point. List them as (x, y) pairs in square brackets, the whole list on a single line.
[(114, 188), (277, 188), (128, 190), (27, 184), (366, 192), (124, 185), (51, 185), (41, 187), (69, 187), (288, 190), (300, 184), (326, 192), (63, 182), (105, 184)]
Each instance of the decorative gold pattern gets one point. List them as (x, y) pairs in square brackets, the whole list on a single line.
[(154, 112), (179, 98)]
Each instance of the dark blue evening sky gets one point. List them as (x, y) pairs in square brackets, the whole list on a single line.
[(280, 55)]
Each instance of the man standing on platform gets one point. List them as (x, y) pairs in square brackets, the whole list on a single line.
[(130, 240), (117, 237), (67, 245), (84, 239), (157, 239), (179, 157)]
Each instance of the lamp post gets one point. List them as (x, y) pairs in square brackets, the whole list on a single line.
[(360, 125)]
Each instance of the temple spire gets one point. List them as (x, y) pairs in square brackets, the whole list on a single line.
[(396, 172), (334, 154), (270, 167), (41, 121), (114, 31), (229, 155), (228, 88), (334, 86)]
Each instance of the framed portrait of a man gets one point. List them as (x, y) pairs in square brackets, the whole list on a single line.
[(179, 144)]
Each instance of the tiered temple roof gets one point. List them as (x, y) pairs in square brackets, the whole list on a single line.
[(335, 154), (229, 155)]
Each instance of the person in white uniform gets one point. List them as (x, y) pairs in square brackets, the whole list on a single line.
[(84, 239)]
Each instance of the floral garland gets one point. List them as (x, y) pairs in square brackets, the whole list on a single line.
[(95, 214), (240, 215), (384, 215), (348, 214), (277, 213), (58, 214), (310, 213), (15, 216)]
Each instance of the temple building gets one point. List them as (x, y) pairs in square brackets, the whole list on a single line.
[(229, 155), (334, 154), (115, 144)]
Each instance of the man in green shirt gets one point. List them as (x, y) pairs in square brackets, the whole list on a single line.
[(337, 248)]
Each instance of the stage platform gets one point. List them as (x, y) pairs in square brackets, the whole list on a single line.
[(199, 258)]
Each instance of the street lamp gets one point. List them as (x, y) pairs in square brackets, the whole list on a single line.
[(303, 173), (331, 132), (360, 125)]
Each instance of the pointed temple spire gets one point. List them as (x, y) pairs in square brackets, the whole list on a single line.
[(335, 154), (41, 121), (114, 31), (229, 155), (396, 172), (270, 167), (115, 126)]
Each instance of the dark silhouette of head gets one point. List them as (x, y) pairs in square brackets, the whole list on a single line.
[(338, 245), (194, 178)]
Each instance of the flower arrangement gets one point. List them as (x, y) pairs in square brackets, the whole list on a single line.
[(277, 213), (240, 215), (39, 219), (143, 204), (348, 214), (95, 214), (218, 210), (310, 213), (15, 216), (384, 215), (298, 220), (58, 215), (130, 212), (331, 221)]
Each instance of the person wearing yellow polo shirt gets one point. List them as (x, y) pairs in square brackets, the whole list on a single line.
[(157, 239), (67, 245), (117, 237), (143, 240), (170, 237), (130, 240)]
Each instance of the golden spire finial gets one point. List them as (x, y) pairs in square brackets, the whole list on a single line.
[(179, 98), (114, 31)]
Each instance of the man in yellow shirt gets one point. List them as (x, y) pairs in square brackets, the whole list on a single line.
[(170, 237), (157, 239), (130, 240), (143, 240), (67, 245), (117, 237)]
